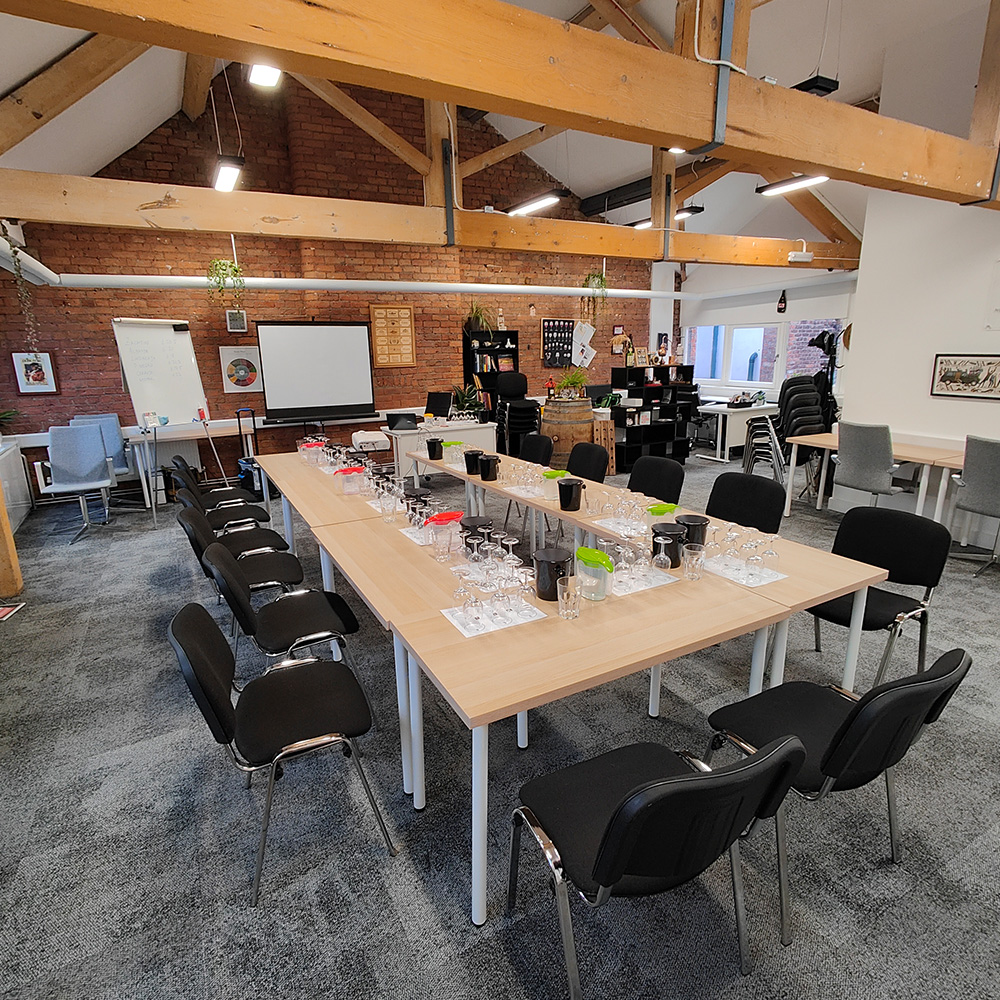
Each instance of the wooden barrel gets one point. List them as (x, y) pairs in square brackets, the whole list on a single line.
[(567, 422)]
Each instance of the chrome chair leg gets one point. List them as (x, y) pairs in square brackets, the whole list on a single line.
[(887, 652), (783, 897), (566, 929), (816, 631), (715, 742), (890, 794), (516, 822), (393, 851), (263, 831), (922, 647), (992, 561), (349, 660), (746, 965)]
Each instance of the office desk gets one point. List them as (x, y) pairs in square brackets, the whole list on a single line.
[(949, 463), (726, 414)]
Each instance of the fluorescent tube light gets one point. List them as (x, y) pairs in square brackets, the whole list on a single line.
[(227, 172), (790, 184), (264, 76), (536, 204)]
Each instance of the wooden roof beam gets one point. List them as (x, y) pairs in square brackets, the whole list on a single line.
[(198, 74), (49, 93), (500, 153), (630, 24), (541, 69), (587, 17), (814, 210), (696, 176), (756, 251)]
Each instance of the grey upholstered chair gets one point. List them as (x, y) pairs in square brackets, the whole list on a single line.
[(979, 489), (864, 460), (79, 465)]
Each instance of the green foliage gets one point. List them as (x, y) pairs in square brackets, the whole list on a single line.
[(225, 276), (573, 378), (592, 303), (611, 399), (8, 416), (467, 399), (479, 318), (23, 291)]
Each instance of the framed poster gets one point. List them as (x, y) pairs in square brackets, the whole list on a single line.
[(240, 369), (393, 339), (966, 376), (34, 373), (236, 321), (641, 357), (557, 342)]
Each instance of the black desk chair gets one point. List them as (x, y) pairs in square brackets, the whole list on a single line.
[(186, 479), (913, 549), (536, 448), (238, 540), (848, 741), (299, 707), (640, 820), (227, 515), (752, 501), (657, 477), (588, 461)]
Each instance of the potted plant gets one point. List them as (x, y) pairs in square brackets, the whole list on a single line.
[(7, 417), (595, 295), (479, 319), (571, 385), (467, 401), (225, 278)]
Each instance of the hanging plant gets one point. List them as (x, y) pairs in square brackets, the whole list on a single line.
[(225, 277), (592, 303), (23, 292)]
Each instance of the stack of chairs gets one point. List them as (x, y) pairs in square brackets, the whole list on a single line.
[(800, 411), (762, 445), (516, 415)]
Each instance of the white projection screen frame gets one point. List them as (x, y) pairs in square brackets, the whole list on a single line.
[(316, 371)]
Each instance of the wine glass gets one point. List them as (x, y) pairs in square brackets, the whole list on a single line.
[(661, 560), (769, 556), (626, 561), (712, 546)]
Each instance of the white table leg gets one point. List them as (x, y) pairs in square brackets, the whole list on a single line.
[(326, 568), (655, 676), (757, 661), (469, 508), (854, 638), (481, 499), (286, 511), (925, 475), (791, 477), (942, 494), (824, 468), (139, 449), (778, 653), (265, 485), (522, 729), (480, 779), (403, 703), (577, 538), (416, 732)]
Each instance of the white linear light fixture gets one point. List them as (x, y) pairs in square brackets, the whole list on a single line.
[(227, 168), (645, 224), (546, 200), (687, 212), (791, 184), (264, 76)]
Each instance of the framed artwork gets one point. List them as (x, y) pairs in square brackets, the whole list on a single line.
[(394, 342), (557, 342), (240, 368), (34, 373), (641, 357), (966, 376), (618, 340), (236, 321)]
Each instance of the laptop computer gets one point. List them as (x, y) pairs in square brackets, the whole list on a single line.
[(401, 421)]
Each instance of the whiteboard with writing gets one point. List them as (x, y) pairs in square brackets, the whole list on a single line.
[(161, 373)]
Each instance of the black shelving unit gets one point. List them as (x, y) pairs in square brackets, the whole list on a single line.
[(659, 425), (487, 354)]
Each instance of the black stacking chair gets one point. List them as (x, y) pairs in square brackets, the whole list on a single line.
[(588, 461), (536, 448), (657, 477), (641, 819), (299, 707), (849, 741), (238, 540), (298, 619), (752, 501), (209, 499), (227, 515), (264, 568), (913, 549)]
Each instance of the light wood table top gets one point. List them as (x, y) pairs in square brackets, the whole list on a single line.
[(921, 454), (312, 492), (956, 460)]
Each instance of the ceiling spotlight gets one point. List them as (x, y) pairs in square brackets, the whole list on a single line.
[(676, 150), (648, 224), (821, 86), (790, 184), (264, 76), (537, 204), (686, 213), (227, 172)]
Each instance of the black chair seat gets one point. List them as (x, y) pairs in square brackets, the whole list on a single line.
[(272, 567), (574, 805), (245, 540), (881, 609), (225, 494), (299, 703), (219, 517), (283, 621), (813, 713)]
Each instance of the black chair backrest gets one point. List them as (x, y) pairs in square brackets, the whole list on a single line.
[(199, 533), (185, 480), (180, 462), (232, 584), (913, 549), (589, 461), (658, 477), (512, 385), (536, 448), (885, 722), (672, 830), (188, 499), (752, 501), (438, 404), (522, 415), (208, 666)]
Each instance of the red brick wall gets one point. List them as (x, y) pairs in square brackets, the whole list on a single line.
[(293, 143)]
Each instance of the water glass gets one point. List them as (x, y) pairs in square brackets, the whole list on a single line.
[(569, 597), (694, 561), (387, 504), (441, 542)]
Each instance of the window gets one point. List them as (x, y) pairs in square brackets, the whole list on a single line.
[(704, 345), (752, 353)]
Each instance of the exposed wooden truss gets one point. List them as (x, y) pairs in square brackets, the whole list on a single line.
[(695, 177), (330, 93), (704, 248), (539, 68), (436, 129), (587, 17), (986, 109), (500, 153), (630, 24), (198, 73), (816, 212), (61, 85)]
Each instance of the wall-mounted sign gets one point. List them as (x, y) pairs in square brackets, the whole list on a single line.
[(394, 342)]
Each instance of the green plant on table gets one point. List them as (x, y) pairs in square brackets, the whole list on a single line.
[(572, 382), (466, 400)]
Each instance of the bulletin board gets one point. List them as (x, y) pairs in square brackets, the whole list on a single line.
[(393, 339), (557, 343)]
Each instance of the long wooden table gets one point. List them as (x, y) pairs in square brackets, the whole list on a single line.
[(922, 455)]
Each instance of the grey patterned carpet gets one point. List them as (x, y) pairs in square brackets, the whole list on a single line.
[(127, 840)]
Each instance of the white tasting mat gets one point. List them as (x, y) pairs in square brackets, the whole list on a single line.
[(459, 618), (767, 576)]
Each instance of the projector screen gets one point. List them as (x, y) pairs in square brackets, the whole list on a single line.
[(316, 371)]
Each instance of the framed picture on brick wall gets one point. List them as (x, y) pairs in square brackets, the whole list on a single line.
[(34, 373), (394, 343), (236, 321)]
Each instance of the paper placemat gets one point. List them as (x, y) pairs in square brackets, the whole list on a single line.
[(415, 535), (652, 578), (459, 618), (525, 492), (716, 566), (622, 526)]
